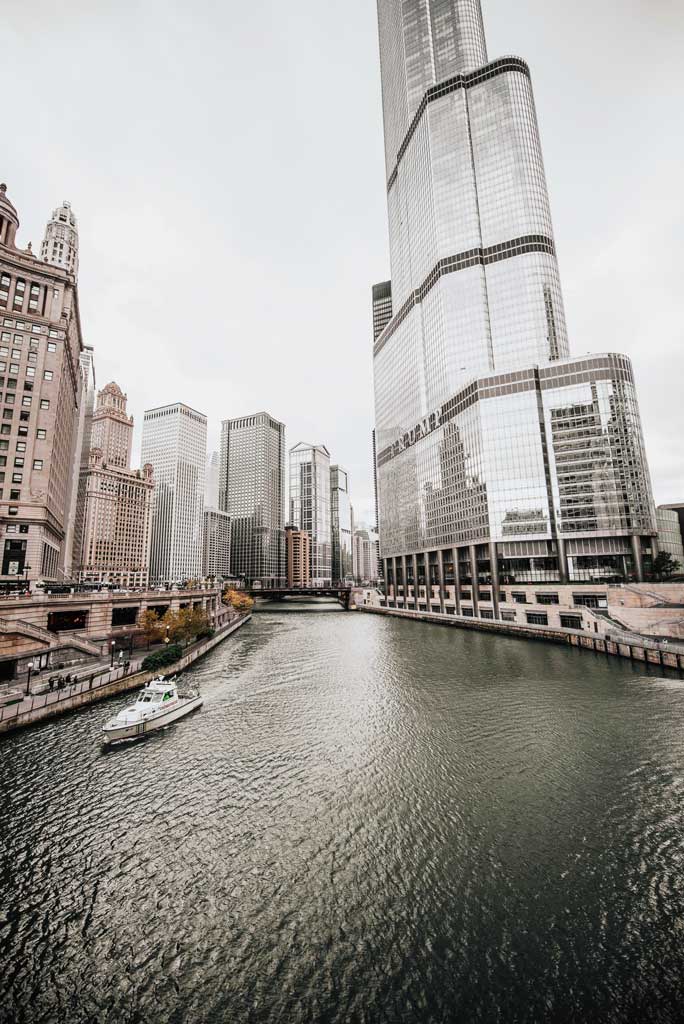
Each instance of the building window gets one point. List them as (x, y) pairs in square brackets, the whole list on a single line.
[(468, 612), (26, 400), (590, 600), (41, 434), (486, 613), (537, 619), (508, 616), (30, 371), (44, 403), (519, 598), (17, 478), (547, 599), (7, 415), (13, 509), (19, 463), (571, 621), (37, 463), (14, 496), (47, 375), (51, 347)]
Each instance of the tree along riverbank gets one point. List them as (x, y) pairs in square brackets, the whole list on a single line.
[(32, 710)]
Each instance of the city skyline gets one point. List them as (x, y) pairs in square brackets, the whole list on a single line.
[(614, 297)]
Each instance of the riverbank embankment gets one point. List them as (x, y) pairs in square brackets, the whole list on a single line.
[(640, 650), (34, 709)]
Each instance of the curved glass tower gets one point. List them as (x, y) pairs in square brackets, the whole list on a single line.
[(473, 374)]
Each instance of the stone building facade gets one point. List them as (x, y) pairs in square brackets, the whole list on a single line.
[(114, 508), (41, 389)]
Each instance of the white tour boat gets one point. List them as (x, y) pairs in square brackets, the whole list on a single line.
[(157, 706)]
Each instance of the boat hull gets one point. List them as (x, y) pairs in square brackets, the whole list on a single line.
[(113, 733)]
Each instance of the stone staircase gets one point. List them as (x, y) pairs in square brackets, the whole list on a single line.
[(52, 640)]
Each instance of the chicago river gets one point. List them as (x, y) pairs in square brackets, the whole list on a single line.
[(370, 821)]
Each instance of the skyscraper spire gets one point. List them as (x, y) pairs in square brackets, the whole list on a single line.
[(60, 243)]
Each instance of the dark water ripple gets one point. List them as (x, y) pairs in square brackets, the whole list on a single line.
[(369, 821)]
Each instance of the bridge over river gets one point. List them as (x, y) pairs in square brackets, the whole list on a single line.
[(340, 593)]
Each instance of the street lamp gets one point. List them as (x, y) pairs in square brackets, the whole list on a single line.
[(166, 638), (30, 668), (112, 646), (27, 570)]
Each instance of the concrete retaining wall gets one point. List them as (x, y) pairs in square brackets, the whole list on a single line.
[(49, 705), (598, 644)]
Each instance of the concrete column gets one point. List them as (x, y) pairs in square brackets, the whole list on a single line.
[(403, 569), (638, 560), (440, 576), (457, 582), (476, 581), (386, 562), (496, 589), (395, 563), (416, 588), (562, 560)]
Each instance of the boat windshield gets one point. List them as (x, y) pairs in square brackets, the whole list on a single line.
[(150, 698)]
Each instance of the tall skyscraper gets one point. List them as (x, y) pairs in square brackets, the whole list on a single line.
[(310, 505), (60, 242), (114, 508), (252, 492), (174, 443), (42, 392), (211, 489), (496, 451), (340, 523), (216, 544), (365, 557)]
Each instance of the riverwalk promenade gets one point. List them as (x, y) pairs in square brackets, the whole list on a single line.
[(35, 708)]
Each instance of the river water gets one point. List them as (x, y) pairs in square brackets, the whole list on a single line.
[(370, 820)]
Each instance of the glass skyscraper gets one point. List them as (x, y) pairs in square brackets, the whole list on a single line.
[(252, 492), (310, 505), (341, 527), (496, 452)]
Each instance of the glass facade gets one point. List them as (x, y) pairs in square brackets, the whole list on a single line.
[(310, 506), (489, 437), (252, 493), (340, 524)]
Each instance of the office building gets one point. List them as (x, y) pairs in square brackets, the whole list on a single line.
[(42, 391), (365, 556), (309, 507), (252, 492), (174, 443), (340, 524), (669, 519), (497, 452), (216, 560), (211, 488), (114, 508), (298, 546)]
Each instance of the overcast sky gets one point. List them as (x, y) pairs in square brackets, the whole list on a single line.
[(225, 163)]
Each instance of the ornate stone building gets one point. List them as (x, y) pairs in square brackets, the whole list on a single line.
[(115, 502), (41, 391)]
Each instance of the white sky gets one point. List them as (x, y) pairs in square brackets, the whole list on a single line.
[(225, 163)]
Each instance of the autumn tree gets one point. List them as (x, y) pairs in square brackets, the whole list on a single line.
[(151, 626), (242, 603)]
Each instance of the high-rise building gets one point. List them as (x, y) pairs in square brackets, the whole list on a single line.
[(211, 489), (496, 451), (114, 508), (340, 523), (310, 505), (252, 492), (174, 443), (365, 556), (298, 545), (42, 392), (216, 560), (60, 242)]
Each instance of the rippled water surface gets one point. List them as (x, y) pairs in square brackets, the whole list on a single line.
[(369, 821)]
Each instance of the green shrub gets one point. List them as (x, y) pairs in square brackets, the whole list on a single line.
[(205, 634), (160, 659)]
